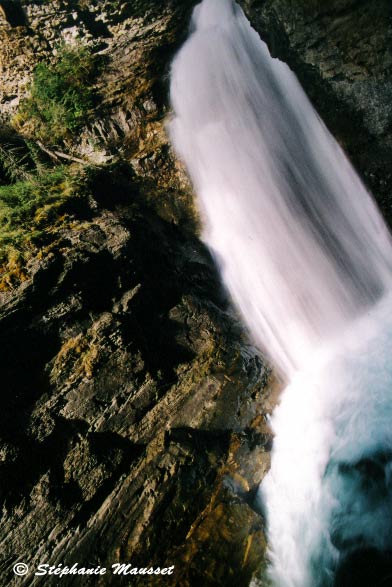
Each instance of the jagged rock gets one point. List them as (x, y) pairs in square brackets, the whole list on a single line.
[(128, 392), (129, 385)]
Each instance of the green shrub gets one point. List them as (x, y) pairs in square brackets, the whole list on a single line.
[(13, 163), (31, 213), (61, 96), (20, 201)]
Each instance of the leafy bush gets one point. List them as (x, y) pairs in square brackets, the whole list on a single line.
[(61, 96)]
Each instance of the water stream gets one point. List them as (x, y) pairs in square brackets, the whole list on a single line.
[(307, 260)]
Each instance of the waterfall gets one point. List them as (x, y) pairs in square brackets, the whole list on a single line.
[(307, 261)]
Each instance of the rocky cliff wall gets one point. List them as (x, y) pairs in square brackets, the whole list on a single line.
[(132, 426)]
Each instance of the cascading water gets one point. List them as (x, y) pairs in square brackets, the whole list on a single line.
[(307, 260)]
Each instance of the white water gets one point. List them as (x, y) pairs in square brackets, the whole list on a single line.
[(307, 260)]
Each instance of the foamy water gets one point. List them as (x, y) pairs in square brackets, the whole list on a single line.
[(307, 260), (329, 490)]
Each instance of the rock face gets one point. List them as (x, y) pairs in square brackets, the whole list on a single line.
[(133, 416), (130, 404)]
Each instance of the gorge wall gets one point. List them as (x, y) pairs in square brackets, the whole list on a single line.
[(132, 425)]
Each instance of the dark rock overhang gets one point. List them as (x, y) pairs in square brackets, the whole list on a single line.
[(12, 11)]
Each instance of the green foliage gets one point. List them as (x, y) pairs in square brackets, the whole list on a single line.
[(13, 163), (31, 212), (20, 201), (61, 96)]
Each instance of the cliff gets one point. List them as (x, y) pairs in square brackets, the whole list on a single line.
[(132, 425)]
